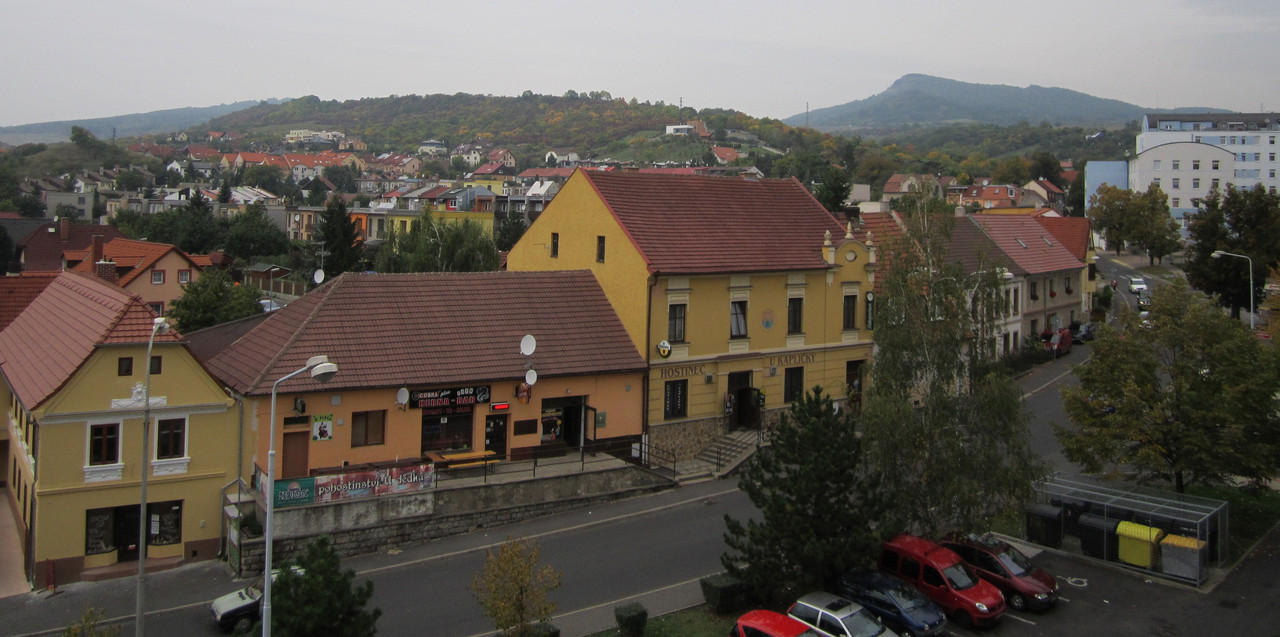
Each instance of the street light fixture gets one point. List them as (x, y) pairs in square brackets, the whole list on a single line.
[(158, 326), (1218, 254), (322, 370)]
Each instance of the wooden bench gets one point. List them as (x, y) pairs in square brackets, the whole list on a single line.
[(463, 459)]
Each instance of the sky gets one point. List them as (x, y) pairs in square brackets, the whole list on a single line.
[(62, 60)]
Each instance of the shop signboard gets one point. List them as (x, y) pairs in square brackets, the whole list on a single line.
[(374, 482), (448, 401)]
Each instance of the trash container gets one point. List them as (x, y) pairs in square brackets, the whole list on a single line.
[(1183, 556), (1138, 543), (1097, 536), (1044, 525)]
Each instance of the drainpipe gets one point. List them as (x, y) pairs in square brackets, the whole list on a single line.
[(648, 362)]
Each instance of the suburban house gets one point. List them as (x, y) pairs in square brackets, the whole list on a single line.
[(1076, 235), (77, 396), (929, 186), (741, 295), (156, 272), (1051, 277), (46, 247)]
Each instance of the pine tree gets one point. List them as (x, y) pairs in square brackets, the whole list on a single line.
[(338, 237), (320, 597)]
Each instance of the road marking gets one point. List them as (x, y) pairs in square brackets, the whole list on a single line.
[(1021, 619), (1078, 582), (1070, 370)]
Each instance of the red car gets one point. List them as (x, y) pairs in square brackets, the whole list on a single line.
[(766, 623), (944, 578), (1058, 342), (1024, 585)]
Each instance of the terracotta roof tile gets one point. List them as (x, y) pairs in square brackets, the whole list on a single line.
[(42, 249), (692, 225), (132, 258), (17, 292), (431, 329), (38, 356), (1072, 232), (1029, 244)]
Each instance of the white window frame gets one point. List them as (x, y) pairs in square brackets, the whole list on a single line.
[(157, 277)]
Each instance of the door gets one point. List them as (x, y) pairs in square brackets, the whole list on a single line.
[(126, 533), (495, 435), (294, 463), (746, 412)]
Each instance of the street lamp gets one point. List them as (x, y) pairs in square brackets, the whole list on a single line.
[(322, 370), (158, 326), (1218, 254)]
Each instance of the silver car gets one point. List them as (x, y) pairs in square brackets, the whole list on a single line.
[(835, 616)]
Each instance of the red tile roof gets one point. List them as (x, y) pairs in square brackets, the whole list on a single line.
[(543, 173), (38, 357), (43, 249), (433, 329), (1028, 243), (132, 258), (1072, 232), (17, 292), (696, 225)]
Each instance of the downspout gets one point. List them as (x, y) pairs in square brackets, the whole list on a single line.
[(648, 363)]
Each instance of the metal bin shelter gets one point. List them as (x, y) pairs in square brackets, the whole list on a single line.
[(1100, 520)]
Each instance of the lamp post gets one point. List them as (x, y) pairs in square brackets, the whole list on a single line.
[(1218, 254), (158, 326), (322, 370)]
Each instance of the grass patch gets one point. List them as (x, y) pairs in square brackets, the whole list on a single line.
[(1253, 512), (698, 621)]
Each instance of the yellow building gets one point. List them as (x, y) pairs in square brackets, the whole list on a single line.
[(76, 404), (742, 295)]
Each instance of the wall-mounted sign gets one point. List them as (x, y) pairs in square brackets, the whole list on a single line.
[(322, 427), (664, 349), (449, 401), (767, 319)]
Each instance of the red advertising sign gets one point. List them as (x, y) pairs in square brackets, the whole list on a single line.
[(363, 484)]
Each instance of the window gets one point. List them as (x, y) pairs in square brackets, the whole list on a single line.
[(555, 244), (1155, 182), (1195, 164), (166, 522), (738, 319), (1177, 203), (675, 322), (1176, 183), (1035, 325), (1195, 183), (124, 366), (1155, 165), (1213, 185), (368, 427), (675, 399), (157, 277), (171, 438), (184, 276), (850, 311), (99, 531), (1271, 156), (600, 249), (156, 365), (932, 577), (1214, 165), (793, 384), (157, 307), (1035, 291), (1176, 164), (795, 316), (104, 444)]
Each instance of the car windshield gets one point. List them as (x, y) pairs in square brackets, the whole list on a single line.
[(906, 598), (959, 577), (1017, 563), (254, 590), (862, 624)]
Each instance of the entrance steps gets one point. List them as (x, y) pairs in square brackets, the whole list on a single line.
[(720, 457)]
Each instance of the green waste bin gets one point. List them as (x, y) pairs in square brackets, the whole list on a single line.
[(1138, 543)]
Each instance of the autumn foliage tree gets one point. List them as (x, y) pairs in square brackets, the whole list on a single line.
[(513, 589)]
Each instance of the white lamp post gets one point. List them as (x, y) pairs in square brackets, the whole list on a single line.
[(158, 326), (1218, 254), (322, 370)]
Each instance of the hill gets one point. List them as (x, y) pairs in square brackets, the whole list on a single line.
[(135, 125), (923, 99)]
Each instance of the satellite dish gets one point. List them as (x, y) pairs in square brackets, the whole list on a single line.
[(402, 396), (528, 344), (318, 277), (531, 377)]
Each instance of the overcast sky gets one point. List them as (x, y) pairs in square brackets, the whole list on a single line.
[(74, 60)]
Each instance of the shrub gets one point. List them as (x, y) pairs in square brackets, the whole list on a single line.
[(631, 619), (724, 593)]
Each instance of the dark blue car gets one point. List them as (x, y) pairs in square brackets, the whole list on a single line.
[(899, 605)]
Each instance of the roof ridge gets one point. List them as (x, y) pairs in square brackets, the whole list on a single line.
[(325, 291)]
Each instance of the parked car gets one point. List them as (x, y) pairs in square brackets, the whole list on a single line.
[(1137, 285), (942, 576), (1025, 586), (1084, 333), (1144, 303), (1058, 342), (834, 616), (898, 604), (239, 610), (766, 623)]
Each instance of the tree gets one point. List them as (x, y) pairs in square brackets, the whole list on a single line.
[(30, 206), (224, 192), (834, 189), (6, 250), (337, 232), (213, 299), (1153, 228), (1242, 222), (1108, 213), (268, 177), (342, 177), (252, 234), (433, 246), (513, 590), (821, 510), (1189, 397), (88, 626), (943, 422), (320, 597), (1044, 165), (509, 232), (130, 181)]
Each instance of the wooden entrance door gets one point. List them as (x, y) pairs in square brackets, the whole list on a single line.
[(294, 462)]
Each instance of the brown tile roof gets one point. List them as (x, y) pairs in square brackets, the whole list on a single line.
[(17, 292), (695, 225), (44, 247), (37, 358), (1029, 244), (542, 173), (132, 258), (392, 330), (1072, 232)]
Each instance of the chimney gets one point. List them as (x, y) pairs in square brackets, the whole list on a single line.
[(106, 270), (960, 212), (64, 228), (95, 252)]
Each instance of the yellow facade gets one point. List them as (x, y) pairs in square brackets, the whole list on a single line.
[(485, 219)]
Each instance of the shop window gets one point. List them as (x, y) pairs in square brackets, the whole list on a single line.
[(675, 403), (165, 522), (124, 366), (850, 312), (793, 384), (368, 427), (171, 438), (99, 531), (104, 444), (795, 316), (446, 433), (675, 322), (737, 319), (552, 424)]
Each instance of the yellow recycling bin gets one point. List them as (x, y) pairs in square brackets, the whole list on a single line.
[(1138, 543), (1183, 556)]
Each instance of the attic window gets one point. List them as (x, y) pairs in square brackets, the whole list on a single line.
[(1021, 243)]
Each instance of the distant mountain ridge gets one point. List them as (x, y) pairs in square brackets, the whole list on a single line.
[(916, 99), (134, 125)]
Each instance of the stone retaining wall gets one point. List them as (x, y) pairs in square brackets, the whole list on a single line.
[(686, 439)]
